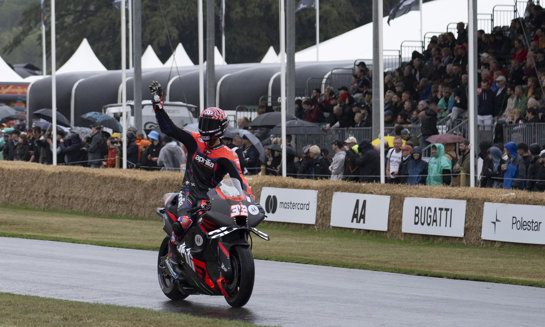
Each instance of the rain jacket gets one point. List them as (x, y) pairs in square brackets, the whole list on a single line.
[(512, 171), (369, 162), (439, 168), (417, 168)]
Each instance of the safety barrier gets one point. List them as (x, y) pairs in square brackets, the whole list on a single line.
[(137, 194)]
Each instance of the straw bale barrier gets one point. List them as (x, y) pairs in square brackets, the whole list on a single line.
[(137, 193)]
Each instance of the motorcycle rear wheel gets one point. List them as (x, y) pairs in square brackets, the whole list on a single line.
[(241, 286), (168, 284)]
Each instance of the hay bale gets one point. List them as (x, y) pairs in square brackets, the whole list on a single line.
[(136, 193)]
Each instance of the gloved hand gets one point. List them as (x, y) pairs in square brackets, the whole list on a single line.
[(200, 209), (156, 92)]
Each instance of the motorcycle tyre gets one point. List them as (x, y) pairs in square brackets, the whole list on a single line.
[(168, 284), (241, 287)]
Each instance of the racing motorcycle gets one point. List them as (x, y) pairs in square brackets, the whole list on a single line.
[(216, 251)]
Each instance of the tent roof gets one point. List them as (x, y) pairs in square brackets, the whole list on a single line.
[(180, 57), (83, 60), (270, 57), (150, 59), (358, 43), (7, 74)]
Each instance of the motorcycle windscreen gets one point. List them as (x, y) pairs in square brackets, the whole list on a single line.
[(230, 189)]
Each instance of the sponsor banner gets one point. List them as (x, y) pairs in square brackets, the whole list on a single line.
[(289, 205), (517, 223), (361, 211), (434, 216)]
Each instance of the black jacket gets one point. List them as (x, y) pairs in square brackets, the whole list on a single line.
[(71, 148), (369, 162), (314, 168), (152, 150), (429, 123)]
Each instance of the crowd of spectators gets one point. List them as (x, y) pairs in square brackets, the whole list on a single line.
[(100, 149), (430, 88)]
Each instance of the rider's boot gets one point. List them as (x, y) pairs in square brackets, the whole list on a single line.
[(179, 229)]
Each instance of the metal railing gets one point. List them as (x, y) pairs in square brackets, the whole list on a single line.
[(485, 22), (408, 46), (502, 15), (525, 133)]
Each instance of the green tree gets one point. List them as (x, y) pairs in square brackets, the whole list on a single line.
[(251, 27)]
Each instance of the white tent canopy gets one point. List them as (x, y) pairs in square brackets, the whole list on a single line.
[(271, 57), (358, 43), (179, 57), (218, 58), (83, 60), (150, 59), (7, 74)]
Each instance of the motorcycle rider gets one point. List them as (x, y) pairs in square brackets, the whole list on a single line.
[(208, 160)]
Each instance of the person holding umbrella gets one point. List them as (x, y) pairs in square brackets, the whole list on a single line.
[(95, 152)]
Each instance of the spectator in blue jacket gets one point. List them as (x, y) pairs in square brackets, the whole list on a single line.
[(417, 168), (511, 167)]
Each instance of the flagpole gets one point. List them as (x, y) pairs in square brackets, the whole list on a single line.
[(472, 85), (130, 32), (53, 85), (421, 24), (283, 84), (223, 31), (44, 53), (317, 30), (123, 84), (201, 55)]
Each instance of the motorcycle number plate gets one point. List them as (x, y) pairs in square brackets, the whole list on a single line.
[(239, 210)]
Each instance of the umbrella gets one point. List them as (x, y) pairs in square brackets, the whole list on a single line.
[(44, 125), (278, 147), (81, 131), (47, 114), (269, 119), (255, 141), (445, 138), (6, 111), (298, 127), (389, 139), (98, 118)]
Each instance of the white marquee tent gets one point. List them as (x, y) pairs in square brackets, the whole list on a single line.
[(271, 57), (7, 74), (179, 57), (150, 59), (84, 59), (358, 43)]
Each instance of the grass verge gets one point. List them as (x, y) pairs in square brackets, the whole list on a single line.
[(19, 310), (338, 247)]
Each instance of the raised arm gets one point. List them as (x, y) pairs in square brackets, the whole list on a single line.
[(165, 123)]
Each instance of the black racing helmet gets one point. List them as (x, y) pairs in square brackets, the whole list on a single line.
[(212, 123)]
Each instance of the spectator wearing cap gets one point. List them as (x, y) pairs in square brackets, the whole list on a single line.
[(403, 172), (351, 166), (314, 165), (95, 152), (409, 138), (337, 164), (150, 156), (10, 145)]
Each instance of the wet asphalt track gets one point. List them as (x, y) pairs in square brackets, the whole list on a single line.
[(285, 294)]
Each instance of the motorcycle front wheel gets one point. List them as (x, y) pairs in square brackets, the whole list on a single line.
[(241, 286), (168, 284)]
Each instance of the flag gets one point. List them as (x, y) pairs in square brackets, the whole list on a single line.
[(44, 15), (403, 7), (304, 4), (117, 4)]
